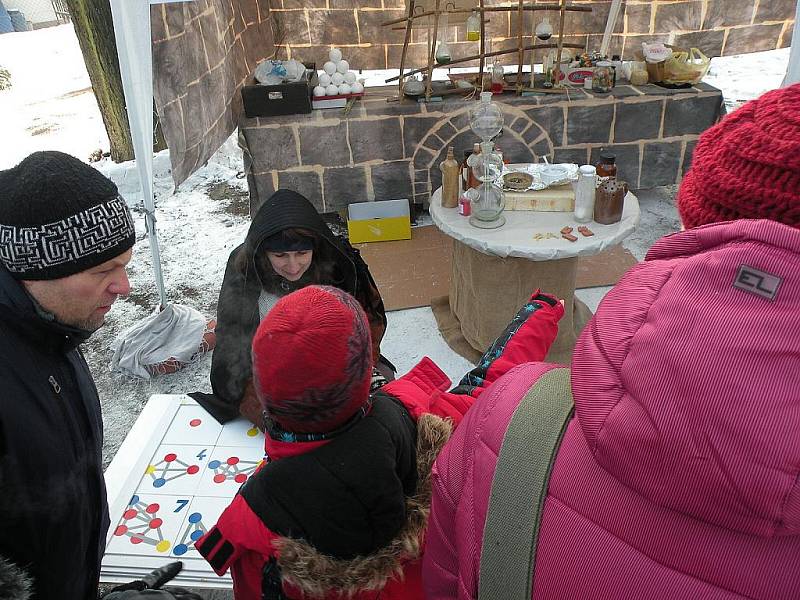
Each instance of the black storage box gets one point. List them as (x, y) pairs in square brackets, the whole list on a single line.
[(283, 99)]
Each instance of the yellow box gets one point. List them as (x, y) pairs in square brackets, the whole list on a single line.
[(381, 221)]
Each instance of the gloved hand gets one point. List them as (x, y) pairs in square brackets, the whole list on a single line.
[(149, 587)]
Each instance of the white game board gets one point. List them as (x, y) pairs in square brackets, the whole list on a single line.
[(173, 476)]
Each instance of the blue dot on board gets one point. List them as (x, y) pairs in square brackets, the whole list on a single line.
[(196, 535), (134, 500), (180, 549), (195, 517), (159, 482), (213, 464)]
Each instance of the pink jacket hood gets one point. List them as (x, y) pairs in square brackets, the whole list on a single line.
[(687, 380)]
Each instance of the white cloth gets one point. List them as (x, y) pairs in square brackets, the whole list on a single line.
[(516, 237), (266, 302), (175, 332)]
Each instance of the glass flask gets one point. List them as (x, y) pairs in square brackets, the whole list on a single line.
[(544, 31), (488, 207), (486, 119), (442, 49), (473, 27), (498, 78)]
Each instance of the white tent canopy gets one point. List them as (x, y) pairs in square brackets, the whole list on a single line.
[(173, 331), (793, 70)]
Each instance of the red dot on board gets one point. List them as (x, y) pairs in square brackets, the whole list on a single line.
[(194, 422), (121, 530), (219, 478), (155, 523), (170, 457), (130, 513), (233, 460), (152, 508), (136, 540), (192, 469), (240, 478)]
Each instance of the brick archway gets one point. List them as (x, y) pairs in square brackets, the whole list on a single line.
[(522, 140)]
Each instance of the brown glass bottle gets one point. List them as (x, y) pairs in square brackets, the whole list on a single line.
[(606, 168), (473, 180)]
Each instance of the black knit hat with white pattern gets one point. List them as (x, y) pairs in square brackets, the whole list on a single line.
[(59, 216)]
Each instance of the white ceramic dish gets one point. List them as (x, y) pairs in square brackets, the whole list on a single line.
[(554, 174)]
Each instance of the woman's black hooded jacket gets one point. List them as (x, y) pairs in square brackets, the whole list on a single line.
[(237, 309)]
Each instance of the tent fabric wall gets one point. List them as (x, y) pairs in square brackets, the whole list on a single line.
[(203, 52), (793, 70)]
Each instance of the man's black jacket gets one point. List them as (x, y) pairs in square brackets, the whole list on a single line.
[(53, 510)]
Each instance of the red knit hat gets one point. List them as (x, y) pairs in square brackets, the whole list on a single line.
[(312, 360), (748, 165)]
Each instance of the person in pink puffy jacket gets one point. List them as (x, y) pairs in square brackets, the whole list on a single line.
[(679, 474)]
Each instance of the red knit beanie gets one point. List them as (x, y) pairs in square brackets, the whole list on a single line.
[(312, 360), (748, 165)]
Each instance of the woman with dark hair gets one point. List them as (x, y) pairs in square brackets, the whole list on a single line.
[(288, 247)]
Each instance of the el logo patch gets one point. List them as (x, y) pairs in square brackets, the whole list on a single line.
[(757, 282)]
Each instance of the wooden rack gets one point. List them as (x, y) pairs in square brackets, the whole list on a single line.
[(520, 8)]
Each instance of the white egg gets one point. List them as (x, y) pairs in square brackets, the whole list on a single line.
[(337, 79), (319, 91), (324, 79), (332, 90), (344, 89), (357, 88), (329, 67), (343, 66), (350, 78), (335, 55)]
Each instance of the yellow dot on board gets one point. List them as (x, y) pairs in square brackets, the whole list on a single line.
[(162, 546), (150, 470), (252, 432)]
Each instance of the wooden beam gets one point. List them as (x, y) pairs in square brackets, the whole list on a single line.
[(557, 68), (432, 52), (486, 55), (490, 9), (405, 46)]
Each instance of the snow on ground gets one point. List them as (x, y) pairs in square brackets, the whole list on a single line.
[(51, 107)]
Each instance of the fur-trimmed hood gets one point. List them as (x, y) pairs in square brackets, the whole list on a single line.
[(14, 582), (315, 574)]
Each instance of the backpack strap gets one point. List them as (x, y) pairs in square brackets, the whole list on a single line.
[(519, 488)]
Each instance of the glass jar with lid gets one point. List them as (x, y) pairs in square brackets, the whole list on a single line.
[(603, 77), (606, 167)]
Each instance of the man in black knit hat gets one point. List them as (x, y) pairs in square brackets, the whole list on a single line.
[(65, 239)]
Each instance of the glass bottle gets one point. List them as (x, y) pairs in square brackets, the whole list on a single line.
[(585, 194), (465, 171), (498, 78), (606, 167), (473, 27), (449, 168), (472, 180), (603, 77)]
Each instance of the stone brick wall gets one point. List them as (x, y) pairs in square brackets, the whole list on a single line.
[(718, 27), (203, 51), (384, 151)]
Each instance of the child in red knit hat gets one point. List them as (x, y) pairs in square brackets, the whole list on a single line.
[(748, 165), (341, 508)]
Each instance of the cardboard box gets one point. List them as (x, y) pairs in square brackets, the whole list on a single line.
[(576, 75), (333, 101), (380, 221), (553, 199)]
